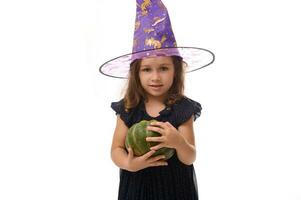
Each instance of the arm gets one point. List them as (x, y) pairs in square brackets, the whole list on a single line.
[(186, 149), (118, 152)]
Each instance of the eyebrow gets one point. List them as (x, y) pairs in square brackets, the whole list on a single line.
[(146, 65)]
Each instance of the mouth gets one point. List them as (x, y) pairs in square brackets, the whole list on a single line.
[(156, 86)]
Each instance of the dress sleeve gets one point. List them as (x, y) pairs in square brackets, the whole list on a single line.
[(119, 109), (187, 108)]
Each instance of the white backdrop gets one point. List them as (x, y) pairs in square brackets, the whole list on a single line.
[(56, 123)]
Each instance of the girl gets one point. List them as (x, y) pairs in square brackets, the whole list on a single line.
[(155, 71), (155, 91)]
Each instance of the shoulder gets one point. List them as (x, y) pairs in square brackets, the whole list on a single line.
[(119, 108), (185, 108), (187, 104), (129, 117)]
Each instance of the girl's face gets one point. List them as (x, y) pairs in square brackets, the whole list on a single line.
[(156, 75)]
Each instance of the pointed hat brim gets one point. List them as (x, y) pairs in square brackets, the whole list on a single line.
[(194, 58)]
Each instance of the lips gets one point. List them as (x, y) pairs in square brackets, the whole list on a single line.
[(156, 87)]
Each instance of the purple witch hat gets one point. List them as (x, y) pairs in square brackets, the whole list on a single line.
[(153, 36)]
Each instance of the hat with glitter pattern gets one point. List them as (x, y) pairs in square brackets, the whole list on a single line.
[(153, 36)]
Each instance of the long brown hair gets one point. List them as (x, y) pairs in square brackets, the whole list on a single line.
[(135, 92)]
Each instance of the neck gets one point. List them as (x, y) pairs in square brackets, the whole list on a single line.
[(155, 100)]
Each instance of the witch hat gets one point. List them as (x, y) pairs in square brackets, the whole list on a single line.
[(153, 36)]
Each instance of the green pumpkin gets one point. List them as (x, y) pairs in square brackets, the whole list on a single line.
[(136, 140)]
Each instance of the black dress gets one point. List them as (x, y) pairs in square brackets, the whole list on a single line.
[(176, 181)]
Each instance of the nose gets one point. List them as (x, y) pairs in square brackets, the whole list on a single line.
[(155, 76)]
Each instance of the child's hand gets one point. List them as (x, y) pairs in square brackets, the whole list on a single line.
[(137, 163), (170, 136)]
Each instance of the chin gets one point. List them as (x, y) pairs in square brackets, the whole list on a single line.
[(154, 94)]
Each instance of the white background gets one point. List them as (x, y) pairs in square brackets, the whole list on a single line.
[(56, 123)]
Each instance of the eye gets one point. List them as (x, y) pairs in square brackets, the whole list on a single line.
[(163, 68), (146, 69)]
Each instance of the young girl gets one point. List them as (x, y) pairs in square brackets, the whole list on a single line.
[(155, 71), (155, 91)]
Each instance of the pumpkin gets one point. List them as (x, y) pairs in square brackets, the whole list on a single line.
[(135, 139)]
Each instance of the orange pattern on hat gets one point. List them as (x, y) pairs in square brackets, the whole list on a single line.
[(155, 43), (144, 5), (137, 25), (148, 30), (163, 39)]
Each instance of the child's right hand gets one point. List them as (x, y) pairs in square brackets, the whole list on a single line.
[(137, 163)]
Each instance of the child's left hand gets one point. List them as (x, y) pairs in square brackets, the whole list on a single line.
[(170, 136)]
